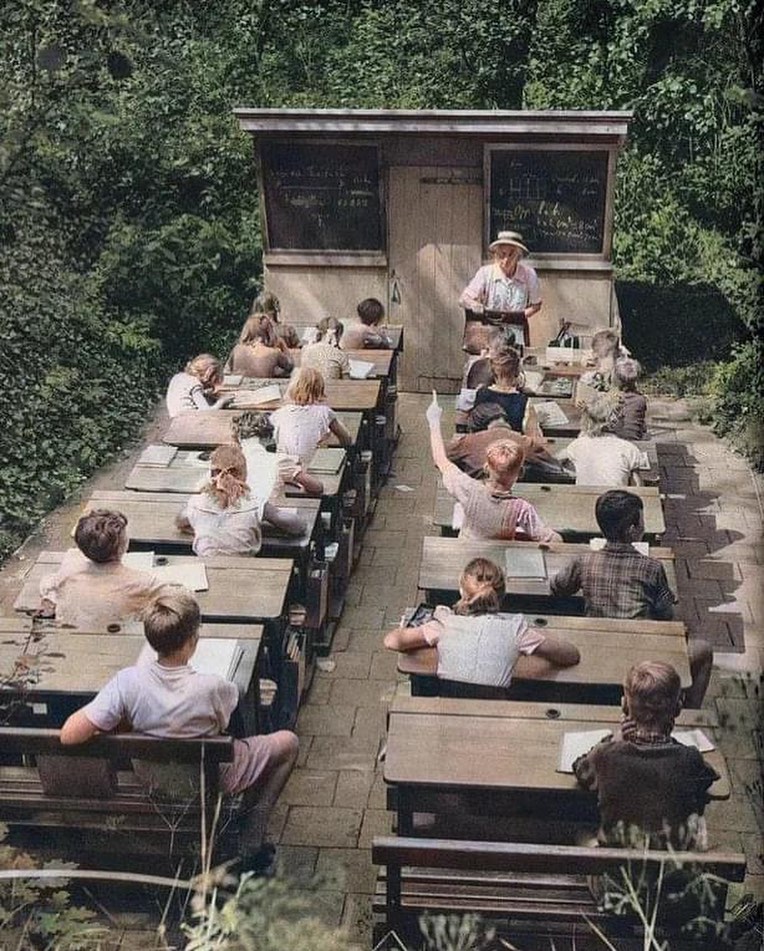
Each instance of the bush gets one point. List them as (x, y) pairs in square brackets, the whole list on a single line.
[(737, 389)]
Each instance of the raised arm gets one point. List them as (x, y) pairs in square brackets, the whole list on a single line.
[(433, 415)]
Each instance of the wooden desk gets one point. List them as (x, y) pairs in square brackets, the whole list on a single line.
[(206, 430), (352, 396), (608, 649), (383, 361), (498, 754), (151, 522), (552, 369), (58, 670), (568, 509), (241, 589), (444, 558)]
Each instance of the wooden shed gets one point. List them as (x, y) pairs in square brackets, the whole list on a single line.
[(401, 205)]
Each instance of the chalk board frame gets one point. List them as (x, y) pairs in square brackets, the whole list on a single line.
[(601, 257), (329, 257)]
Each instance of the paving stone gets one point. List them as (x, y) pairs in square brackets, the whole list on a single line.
[(328, 719), (352, 864), (320, 690), (276, 821), (322, 826), (351, 666), (384, 664), (353, 789), (341, 753), (375, 822), (370, 725), (297, 863), (357, 918), (378, 793), (362, 693), (305, 744), (309, 787)]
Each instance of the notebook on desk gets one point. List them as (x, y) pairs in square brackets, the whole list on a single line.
[(360, 369), (327, 460), (271, 393), (550, 414), (525, 563), (213, 655)]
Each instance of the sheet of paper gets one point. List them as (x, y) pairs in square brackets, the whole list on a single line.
[(191, 574), (575, 744), (597, 544), (141, 560), (533, 380), (156, 455), (360, 369), (694, 737), (457, 519), (262, 469), (524, 563), (327, 459), (232, 379), (213, 655), (271, 393), (550, 414), (309, 335), (465, 399)]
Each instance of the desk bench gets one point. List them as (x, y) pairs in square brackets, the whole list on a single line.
[(84, 802), (537, 896)]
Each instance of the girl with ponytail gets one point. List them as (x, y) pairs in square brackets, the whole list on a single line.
[(224, 518), (324, 353), (474, 642)]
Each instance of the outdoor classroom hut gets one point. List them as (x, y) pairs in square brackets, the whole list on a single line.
[(402, 205)]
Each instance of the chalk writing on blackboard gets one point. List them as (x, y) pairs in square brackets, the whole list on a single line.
[(322, 197), (555, 198)]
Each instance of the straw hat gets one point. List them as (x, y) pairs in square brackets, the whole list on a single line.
[(508, 237)]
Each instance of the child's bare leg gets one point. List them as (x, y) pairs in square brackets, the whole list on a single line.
[(701, 659), (259, 800), (311, 484)]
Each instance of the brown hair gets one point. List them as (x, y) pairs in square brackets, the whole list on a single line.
[(99, 535), (652, 693), (306, 386), (505, 363), (503, 460), (370, 311), (228, 471), (267, 304), (483, 585), (207, 369), (171, 619), (331, 329), (258, 328)]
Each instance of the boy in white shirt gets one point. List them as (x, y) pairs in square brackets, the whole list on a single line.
[(600, 457), (168, 698)]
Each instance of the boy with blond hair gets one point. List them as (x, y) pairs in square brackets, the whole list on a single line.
[(167, 697)]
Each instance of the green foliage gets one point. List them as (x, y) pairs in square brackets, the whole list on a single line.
[(738, 391)]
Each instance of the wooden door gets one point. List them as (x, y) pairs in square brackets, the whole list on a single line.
[(435, 229)]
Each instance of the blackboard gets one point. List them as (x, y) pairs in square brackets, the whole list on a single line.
[(322, 197), (555, 198)]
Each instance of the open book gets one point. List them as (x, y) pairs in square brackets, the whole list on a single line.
[(577, 743), (213, 655), (270, 393), (360, 369)]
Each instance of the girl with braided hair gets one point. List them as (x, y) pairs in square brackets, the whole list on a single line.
[(475, 643), (224, 518)]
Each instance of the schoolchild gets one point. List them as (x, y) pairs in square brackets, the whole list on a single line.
[(225, 519), (606, 347), (651, 789), (304, 421), (490, 509), (168, 698), (506, 391), (620, 582), (268, 304), (260, 352), (475, 643), (197, 387), (599, 456), (629, 422), (324, 354), (93, 589), (365, 333)]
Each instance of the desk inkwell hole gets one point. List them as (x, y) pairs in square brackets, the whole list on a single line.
[(552, 714), (540, 622), (113, 628), (546, 488), (205, 456), (161, 560)]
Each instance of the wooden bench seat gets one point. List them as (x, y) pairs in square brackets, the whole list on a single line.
[(86, 802), (535, 895)]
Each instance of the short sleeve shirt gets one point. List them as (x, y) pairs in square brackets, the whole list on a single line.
[(603, 460), (488, 515), (164, 701), (479, 649), (299, 429), (219, 531), (617, 582), (184, 394), (495, 291)]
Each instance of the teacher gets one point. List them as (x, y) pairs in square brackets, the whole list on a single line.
[(507, 287)]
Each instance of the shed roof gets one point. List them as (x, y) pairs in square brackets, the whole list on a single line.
[(478, 122)]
